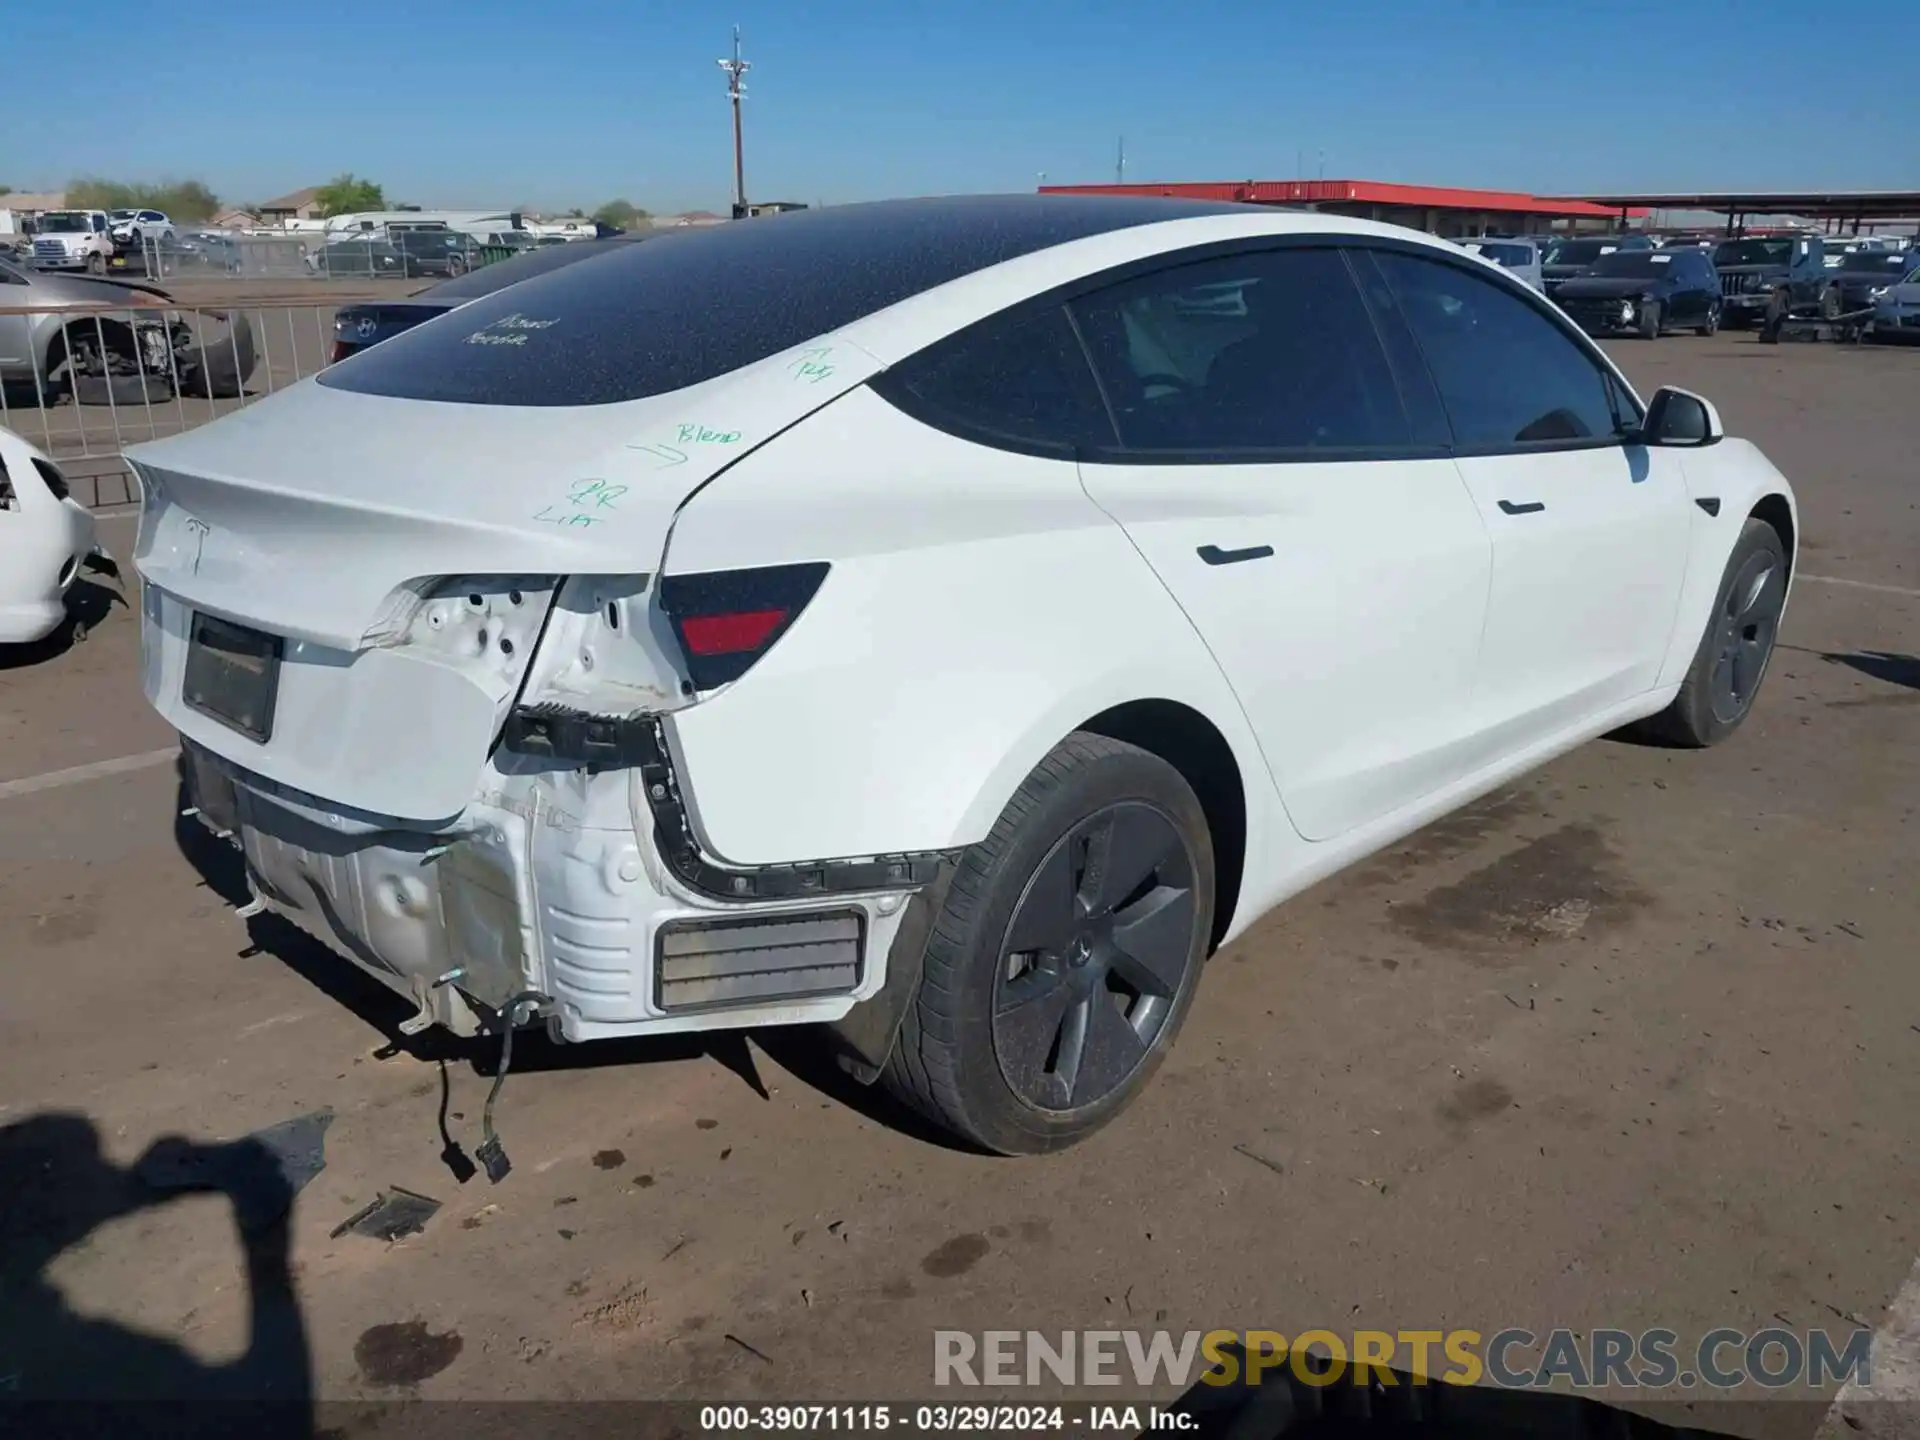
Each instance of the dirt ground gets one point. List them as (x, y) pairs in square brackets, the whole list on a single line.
[(1635, 1042)]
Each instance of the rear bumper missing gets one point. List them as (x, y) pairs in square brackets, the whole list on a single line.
[(555, 879)]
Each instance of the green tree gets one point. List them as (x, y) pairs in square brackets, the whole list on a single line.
[(347, 193), (6, 189), (623, 214), (188, 200)]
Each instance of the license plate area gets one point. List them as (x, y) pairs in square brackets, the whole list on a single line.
[(232, 675)]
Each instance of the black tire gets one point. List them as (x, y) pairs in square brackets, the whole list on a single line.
[(1650, 320), (1704, 712), (96, 264), (956, 1060), (1830, 304), (1711, 326)]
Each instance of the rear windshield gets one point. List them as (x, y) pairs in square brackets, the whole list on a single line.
[(1877, 262), (1579, 252), (1753, 252), (1635, 263), (679, 309), (489, 278)]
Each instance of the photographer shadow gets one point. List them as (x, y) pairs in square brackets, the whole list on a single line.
[(63, 1372)]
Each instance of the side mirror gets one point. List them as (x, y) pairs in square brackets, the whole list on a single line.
[(1680, 417)]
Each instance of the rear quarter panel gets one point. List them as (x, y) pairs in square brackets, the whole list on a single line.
[(979, 609)]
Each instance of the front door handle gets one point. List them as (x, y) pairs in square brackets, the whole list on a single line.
[(1529, 507), (1214, 555)]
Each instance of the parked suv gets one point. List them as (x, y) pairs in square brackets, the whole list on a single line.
[(1564, 259), (435, 252), (1753, 269), (1645, 291)]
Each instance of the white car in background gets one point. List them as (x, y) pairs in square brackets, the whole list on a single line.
[(135, 228), (45, 537), (1522, 257), (946, 620)]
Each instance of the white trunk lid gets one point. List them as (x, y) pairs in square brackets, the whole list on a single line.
[(318, 514)]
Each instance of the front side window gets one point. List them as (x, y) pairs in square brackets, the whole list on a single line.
[(1265, 351), (1509, 377)]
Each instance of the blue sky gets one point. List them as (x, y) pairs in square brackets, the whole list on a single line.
[(485, 102)]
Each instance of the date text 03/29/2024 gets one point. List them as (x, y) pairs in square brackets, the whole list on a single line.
[(939, 1419)]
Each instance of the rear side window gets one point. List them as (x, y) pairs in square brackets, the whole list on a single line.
[(1509, 377), (1017, 382), (1268, 351)]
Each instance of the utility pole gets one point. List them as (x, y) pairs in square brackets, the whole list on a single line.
[(1120, 163), (736, 69)]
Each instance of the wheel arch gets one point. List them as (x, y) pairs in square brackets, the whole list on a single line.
[(1193, 745), (1730, 483), (1776, 510)]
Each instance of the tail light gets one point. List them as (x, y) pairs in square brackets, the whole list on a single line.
[(727, 619)]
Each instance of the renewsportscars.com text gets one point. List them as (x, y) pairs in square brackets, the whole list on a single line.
[(1721, 1359)]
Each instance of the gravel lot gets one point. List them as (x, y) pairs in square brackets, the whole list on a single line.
[(1635, 1042)]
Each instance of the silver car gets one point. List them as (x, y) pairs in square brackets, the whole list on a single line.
[(1896, 309), (1522, 257), (118, 341)]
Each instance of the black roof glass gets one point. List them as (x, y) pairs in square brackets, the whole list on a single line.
[(682, 308)]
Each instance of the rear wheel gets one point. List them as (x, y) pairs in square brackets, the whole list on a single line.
[(1066, 956), (1727, 669), (1711, 324), (1650, 320)]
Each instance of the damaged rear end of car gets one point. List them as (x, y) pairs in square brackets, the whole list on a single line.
[(425, 673)]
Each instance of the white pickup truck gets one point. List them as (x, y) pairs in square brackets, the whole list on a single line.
[(73, 240)]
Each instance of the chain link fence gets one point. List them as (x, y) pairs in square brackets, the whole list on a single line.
[(82, 382)]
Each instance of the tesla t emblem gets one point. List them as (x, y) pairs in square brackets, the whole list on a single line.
[(367, 326), (199, 530)]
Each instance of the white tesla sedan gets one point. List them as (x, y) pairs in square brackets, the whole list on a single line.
[(45, 537), (949, 620)]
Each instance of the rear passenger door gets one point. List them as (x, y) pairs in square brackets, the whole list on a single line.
[(1589, 531), (1316, 533)]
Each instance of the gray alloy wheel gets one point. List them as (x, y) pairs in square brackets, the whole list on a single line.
[(1098, 947), (1064, 954), (1747, 624), (1731, 660)]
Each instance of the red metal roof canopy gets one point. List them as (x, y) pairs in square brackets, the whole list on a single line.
[(1810, 204), (1354, 192)]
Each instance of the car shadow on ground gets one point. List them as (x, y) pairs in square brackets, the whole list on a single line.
[(800, 1050), (1284, 1404), (69, 1373), (88, 605), (1902, 670)]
